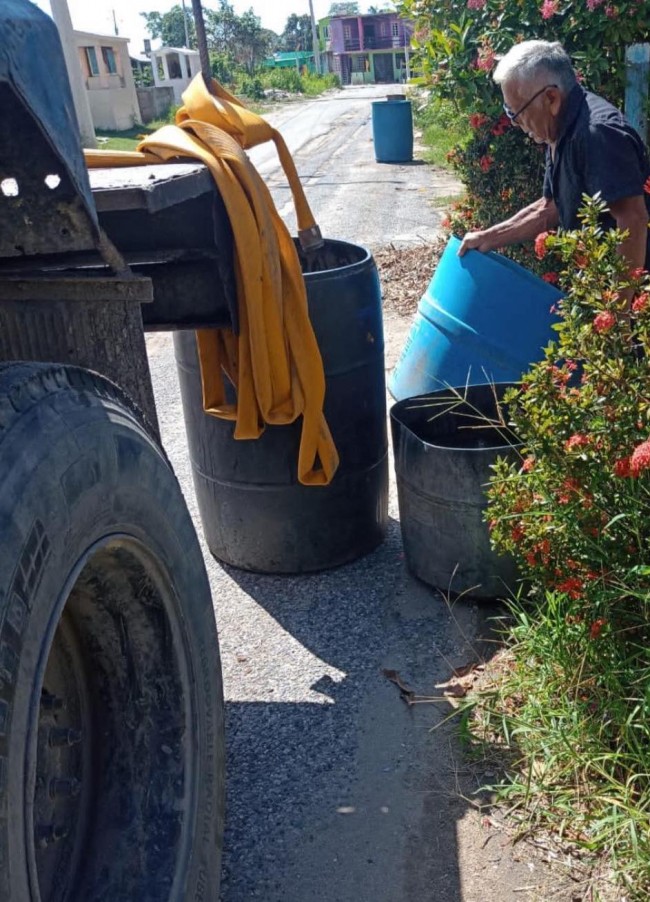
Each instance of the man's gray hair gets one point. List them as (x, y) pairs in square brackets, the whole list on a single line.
[(533, 61)]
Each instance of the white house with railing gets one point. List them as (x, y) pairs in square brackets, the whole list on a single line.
[(175, 67)]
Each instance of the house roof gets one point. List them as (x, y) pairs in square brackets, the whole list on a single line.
[(292, 55), (183, 50), (101, 38)]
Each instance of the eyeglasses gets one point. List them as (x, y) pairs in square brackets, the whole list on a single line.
[(512, 116)]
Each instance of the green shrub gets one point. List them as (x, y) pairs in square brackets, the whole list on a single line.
[(283, 80), (251, 86), (583, 414), (313, 84), (223, 67)]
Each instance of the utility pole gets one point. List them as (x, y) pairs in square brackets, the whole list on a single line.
[(187, 34), (61, 16), (202, 41), (314, 37)]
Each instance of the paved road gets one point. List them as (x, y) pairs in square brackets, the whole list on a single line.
[(337, 792), (352, 196)]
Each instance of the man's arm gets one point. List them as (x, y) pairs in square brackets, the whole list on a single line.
[(540, 216), (631, 216)]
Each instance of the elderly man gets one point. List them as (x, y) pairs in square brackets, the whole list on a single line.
[(590, 148)]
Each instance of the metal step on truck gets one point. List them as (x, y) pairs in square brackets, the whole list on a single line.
[(111, 706)]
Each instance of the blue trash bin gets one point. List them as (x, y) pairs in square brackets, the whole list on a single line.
[(392, 131), (483, 318)]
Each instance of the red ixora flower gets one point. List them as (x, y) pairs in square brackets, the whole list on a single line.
[(640, 459), (485, 162), (640, 302), (549, 8), (576, 441), (597, 627), (540, 244), (604, 321), (528, 464), (476, 120), (517, 532), (501, 126), (476, 4), (552, 278), (572, 586), (486, 58), (622, 468)]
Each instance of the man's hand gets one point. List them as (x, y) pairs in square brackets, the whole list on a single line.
[(540, 216), (475, 241)]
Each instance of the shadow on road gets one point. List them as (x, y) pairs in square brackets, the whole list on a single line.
[(352, 798)]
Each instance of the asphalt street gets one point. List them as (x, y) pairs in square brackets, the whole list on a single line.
[(337, 791)]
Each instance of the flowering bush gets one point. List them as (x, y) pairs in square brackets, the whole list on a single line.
[(576, 510), (573, 706), (457, 41), (501, 172)]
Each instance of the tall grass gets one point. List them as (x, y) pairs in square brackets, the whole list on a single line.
[(443, 127), (572, 719)]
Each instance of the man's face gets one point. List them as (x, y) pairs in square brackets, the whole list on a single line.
[(536, 106)]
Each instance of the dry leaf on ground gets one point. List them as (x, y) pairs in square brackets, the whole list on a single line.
[(405, 273)]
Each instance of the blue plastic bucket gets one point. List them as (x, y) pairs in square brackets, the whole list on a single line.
[(482, 319), (392, 131)]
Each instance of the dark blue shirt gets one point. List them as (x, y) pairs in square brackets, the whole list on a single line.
[(597, 150)]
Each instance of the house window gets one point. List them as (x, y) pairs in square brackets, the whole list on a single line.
[(108, 56), (174, 65), (91, 60), (326, 33), (360, 63), (395, 30), (160, 69), (347, 32), (188, 67)]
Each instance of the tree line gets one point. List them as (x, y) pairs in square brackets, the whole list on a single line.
[(239, 41)]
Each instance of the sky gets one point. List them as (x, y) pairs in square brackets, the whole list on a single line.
[(97, 15)]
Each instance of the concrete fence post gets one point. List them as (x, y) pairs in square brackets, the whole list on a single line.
[(637, 81)]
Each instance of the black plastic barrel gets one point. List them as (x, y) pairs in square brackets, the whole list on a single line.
[(444, 450), (255, 514), (392, 131)]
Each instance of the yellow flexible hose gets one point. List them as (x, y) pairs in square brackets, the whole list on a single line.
[(274, 363)]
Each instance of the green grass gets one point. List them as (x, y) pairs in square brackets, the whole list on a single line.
[(131, 137), (444, 201), (126, 140), (570, 722), (443, 127)]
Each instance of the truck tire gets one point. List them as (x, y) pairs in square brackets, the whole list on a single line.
[(111, 705)]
